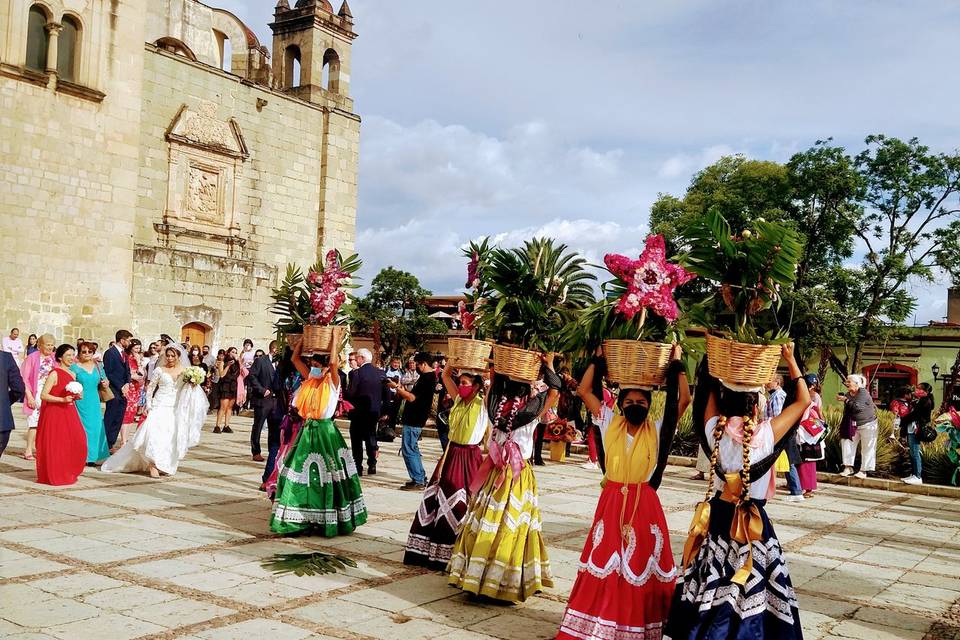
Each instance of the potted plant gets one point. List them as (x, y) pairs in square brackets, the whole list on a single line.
[(749, 270), (636, 345), (534, 292), (326, 285), (291, 303), (472, 354)]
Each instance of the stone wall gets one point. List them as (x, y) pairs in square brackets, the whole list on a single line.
[(278, 215), (68, 182)]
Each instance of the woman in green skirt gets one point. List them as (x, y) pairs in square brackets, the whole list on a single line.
[(318, 490)]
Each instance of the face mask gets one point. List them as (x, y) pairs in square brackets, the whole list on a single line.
[(635, 413), (316, 372), (465, 391)]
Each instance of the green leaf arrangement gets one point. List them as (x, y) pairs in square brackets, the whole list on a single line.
[(751, 271), (534, 292), (307, 564)]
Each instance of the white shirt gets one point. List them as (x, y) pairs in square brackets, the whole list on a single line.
[(731, 455), (13, 347)]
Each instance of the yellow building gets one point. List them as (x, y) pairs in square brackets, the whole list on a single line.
[(159, 166)]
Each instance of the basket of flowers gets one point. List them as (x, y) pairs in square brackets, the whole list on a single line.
[(534, 292), (748, 270), (636, 346), (326, 285), (471, 354)]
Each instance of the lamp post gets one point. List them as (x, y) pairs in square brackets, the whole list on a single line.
[(935, 369)]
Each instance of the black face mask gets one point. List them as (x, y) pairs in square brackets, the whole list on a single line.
[(635, 413)]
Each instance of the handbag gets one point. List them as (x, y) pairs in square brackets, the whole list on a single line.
[(926, 433), (106, 393)]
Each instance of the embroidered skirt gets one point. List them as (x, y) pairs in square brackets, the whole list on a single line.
[(708, 606), (318, 489), (443, 508), (624, 584), (289, 428), (500, 552)]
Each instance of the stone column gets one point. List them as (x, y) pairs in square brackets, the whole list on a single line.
[(53, 47)]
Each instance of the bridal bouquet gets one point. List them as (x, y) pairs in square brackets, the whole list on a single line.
[(74, 388), (194, 375)]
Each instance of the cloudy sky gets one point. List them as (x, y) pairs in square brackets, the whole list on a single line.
[(567, 118)]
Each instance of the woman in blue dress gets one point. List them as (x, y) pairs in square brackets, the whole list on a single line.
[(89, 375)]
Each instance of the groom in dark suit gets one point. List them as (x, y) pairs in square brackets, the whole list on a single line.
[(117, 370), (12, 390)]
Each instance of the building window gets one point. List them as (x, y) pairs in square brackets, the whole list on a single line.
[(331, 71), (38, 41), (224, 50), (291, 67), (68, 49)]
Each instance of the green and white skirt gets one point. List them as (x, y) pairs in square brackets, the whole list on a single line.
[(318, 489)]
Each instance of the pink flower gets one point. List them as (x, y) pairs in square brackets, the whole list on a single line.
[(472, 275), (650, 280)]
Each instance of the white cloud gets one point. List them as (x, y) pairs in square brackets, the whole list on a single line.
[(686, 164)]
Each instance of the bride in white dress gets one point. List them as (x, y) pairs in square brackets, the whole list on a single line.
[(176, 410)]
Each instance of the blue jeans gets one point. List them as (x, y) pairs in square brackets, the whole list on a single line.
[(916, 466), (410, 450), (793, 481)]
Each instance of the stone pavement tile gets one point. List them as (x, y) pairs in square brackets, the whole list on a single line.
[(804, 566), (179, 612), (76, 584), (29, 636), (860, 630), (456, 611), (843, 546), (14, 595), (65, 505), (543, 609), (127, 597), (24, 535), (814, 625), (257, 628), (337, 613), (111, 625), (262, 592), (853, 581), (811, 602), (163, 569), (105, 552), (50, 612), (512, 626), (404, 594), (951, 582), (164, 544), (938, 563), (400, 627), (223, 558), (210, 580), (896, 619), (269, 548), (916, 597), (15, 566), (893, 557), (7, 628), (67, 545)]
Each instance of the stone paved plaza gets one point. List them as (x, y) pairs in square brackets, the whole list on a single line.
[(124, 556)]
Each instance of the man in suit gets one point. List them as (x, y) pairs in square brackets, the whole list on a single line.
[(12, 390), (117, 370), (365, 392), (264, 389)]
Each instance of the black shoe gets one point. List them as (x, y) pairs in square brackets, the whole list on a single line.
[(372, 471), (539, 462), (227, 430), (216, 429), (412, 486)]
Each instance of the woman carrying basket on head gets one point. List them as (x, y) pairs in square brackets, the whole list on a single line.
[(626, 573), (447, 495), (734, 583)]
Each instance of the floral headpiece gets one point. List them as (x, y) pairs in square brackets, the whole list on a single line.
[(326, 295)]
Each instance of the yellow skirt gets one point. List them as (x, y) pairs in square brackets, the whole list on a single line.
[(782, 465), (500, 552)]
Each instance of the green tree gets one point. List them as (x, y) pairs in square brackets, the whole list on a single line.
[(911, 213), (394, 307)]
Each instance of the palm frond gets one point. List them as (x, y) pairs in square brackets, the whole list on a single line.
[(307, 564)]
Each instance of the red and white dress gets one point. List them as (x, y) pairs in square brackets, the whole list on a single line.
[(626, 572)]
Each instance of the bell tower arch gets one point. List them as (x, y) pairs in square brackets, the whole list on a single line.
[(321, 40)]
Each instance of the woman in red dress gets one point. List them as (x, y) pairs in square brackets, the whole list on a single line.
[(135, 395), (61, 440)]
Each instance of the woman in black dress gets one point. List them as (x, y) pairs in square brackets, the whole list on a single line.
[(229, 371)]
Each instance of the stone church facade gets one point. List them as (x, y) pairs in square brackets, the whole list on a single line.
[(159, 166)]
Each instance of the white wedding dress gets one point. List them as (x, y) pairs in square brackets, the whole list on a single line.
[(174, 420)]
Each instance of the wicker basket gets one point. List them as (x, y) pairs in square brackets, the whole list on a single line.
[(750, 365), (515, 363), (317, 338), (632, 363), (293, 339), (469, 355)]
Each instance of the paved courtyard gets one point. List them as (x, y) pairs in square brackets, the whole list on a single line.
[(124, 556)]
